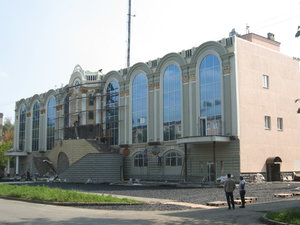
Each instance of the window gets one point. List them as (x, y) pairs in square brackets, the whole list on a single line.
[(141, 160), (210, 95), (172, 103), (91, 115), (267, 122), (112, 113), (279, 124), (51, 117), (22, 124), (173, 159), (66, 112), (91, 100), (35, 126), (265, 81), (139, 108)]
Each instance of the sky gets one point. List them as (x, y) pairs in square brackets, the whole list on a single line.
[(41, 41)]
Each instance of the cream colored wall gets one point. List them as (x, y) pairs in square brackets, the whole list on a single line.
[(255, 102), (74, 149)]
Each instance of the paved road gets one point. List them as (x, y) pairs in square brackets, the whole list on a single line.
[(23, 213)]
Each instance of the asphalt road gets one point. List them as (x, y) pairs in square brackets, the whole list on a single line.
[(24, 213)]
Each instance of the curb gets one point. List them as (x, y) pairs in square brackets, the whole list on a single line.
[(73, 203), (268, 221)]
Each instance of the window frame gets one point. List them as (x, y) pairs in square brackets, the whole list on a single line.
[(279, 123), (267, 122), (266, 81)]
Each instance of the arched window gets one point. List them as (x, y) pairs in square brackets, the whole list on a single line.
[(35, 126), (51, 116), (139, 108), (66, 112), (172, 103), (140, 160), (22, 123), (173, 159), (112, 113), (210, 96)]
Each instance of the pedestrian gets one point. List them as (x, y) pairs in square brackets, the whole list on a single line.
[(229, 187), (242, 191)]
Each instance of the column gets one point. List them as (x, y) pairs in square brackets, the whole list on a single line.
[(8, 166), (17, 165), (83, 109)]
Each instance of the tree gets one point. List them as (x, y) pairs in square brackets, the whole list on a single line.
[(8, 139)]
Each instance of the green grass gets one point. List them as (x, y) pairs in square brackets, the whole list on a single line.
[(290, 217), (43, 193)]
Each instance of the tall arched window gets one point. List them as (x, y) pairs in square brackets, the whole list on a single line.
[(66, 112), (139, 108), (35, 126), (51, 116), (210, 96), (112, 113), (172, 103), (22, 123)]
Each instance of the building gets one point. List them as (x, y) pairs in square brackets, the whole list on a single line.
[(1, 127), (226, 106)]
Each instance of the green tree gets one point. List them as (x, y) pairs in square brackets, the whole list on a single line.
[(8, 139)]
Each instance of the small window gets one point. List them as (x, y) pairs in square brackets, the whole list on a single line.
[(91, 115), (267, 122), (140, 160), (91, 100), (279, 124), (265, 81), (173, 159)]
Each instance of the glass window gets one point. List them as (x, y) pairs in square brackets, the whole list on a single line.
[(91, 115), (139, 108), (172, 103), (140, 160), (112, 113), (267, 122), (22, 124), (91, 100), (66, 112), (210, 95), (173, 159), (265, 81), (35, 126), (51, 117), (279, 124)]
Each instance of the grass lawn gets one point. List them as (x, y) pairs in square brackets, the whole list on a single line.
[(289, 217), (43, 193)]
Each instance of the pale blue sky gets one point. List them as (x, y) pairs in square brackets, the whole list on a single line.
[(42, 41)]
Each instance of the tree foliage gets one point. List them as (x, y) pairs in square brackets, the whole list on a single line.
[(8, 139)]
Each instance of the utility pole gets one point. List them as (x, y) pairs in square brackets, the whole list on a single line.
[(129, 30)]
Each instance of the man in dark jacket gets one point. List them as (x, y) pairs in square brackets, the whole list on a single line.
[(229, 187)]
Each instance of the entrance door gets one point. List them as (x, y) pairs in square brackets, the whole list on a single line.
[(211, 171)]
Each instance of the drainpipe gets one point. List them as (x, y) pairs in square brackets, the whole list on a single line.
[(214, 160), (185, 162)]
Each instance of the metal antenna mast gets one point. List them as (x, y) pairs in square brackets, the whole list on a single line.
[(129, 27)]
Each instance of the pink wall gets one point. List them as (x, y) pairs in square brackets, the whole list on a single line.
[(255, 102)]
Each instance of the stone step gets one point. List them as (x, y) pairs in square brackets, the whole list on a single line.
[(283, 195)]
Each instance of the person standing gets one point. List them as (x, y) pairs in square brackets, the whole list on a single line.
[(242, 191), (229, 187)]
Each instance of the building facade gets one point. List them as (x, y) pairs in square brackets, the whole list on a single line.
[(224, 107)]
